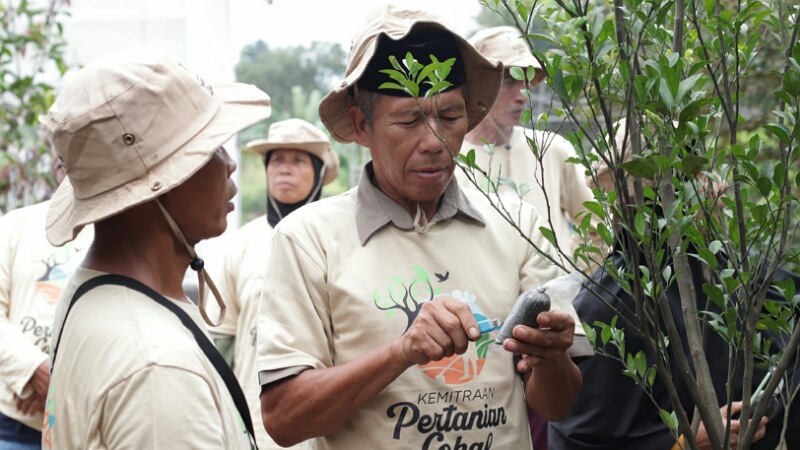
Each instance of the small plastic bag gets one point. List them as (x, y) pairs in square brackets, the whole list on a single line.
[(534, 301)]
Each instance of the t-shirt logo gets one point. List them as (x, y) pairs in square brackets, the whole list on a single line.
[(57, 268), (406, 295)]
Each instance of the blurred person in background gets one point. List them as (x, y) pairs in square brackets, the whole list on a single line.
[(563, 182), (298, 161), (32, 275)]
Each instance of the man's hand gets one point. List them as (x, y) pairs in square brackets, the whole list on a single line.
[(39, 384), (31, 405), (548, 343), (40, 380), (443, 327), (736, 408)]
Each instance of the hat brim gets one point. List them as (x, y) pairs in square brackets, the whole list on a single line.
[(321, 150), (483, 81), (263, 146), (240, 106)]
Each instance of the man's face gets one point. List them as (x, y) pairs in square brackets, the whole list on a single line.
[(201, 204), (510, 102), (412, 165)]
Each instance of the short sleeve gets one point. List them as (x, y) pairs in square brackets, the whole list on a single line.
[(294, 325)]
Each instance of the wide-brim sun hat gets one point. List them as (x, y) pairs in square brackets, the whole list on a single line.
[(299, 134), (506, 44), (133, 125), (483, 77)]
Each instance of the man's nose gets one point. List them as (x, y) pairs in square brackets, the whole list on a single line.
[(430, 140)]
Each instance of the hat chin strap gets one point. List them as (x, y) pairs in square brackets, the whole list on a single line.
[(197, 264)]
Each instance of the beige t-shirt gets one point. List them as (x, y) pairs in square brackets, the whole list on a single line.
[(241, 279), (564, 182), (130, 375), (328, 299), (32, 275)]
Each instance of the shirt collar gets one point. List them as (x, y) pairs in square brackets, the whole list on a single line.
[(374, 209)]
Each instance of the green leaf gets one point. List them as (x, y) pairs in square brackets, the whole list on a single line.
[(715, 246), (639, 223), (738, 151), (691, 110), (780, 130), (591, 334), (666, 95), (708, 257), (605, 334), (437, 88), (640, 167), (669, 419), (791, 82), (394, 63), (692, 164), (714, 293), (517, 73), (525, 117), (779, 174), (548, 234), (687, 85), (560, 87), (507, 182), (764, 185), (604, 233), (530, 73), (388, 85), (595, 208)]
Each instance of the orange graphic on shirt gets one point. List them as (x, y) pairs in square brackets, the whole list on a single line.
[(460, 369), (48, 292)]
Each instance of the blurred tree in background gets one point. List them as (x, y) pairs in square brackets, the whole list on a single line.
[(31, 51)]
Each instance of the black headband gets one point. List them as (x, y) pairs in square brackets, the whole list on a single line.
[(421, 45)]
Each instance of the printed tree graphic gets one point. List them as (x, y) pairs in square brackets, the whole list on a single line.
[(50, 263), (406, 296)]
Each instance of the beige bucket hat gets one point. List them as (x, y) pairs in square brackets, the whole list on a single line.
[(301, 135), (506, 44), (131, 126), (483, 77)]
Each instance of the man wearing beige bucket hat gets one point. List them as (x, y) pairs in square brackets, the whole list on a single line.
[(298, 159), (563, 182), (368, 333), (141, 139)]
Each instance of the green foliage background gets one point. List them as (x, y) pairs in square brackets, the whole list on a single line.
[(296, 78)]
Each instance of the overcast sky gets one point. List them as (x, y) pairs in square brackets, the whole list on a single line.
[(299, 22)]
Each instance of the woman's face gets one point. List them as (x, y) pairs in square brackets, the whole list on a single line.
[(290, 175)]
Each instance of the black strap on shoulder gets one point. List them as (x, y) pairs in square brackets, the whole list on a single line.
[(205, 344)]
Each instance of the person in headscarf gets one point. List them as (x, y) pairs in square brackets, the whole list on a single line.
[(299, 160)]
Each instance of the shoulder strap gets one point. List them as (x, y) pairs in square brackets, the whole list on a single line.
[(205, 344)]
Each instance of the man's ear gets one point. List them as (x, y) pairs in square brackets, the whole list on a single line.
[(360, 126)]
